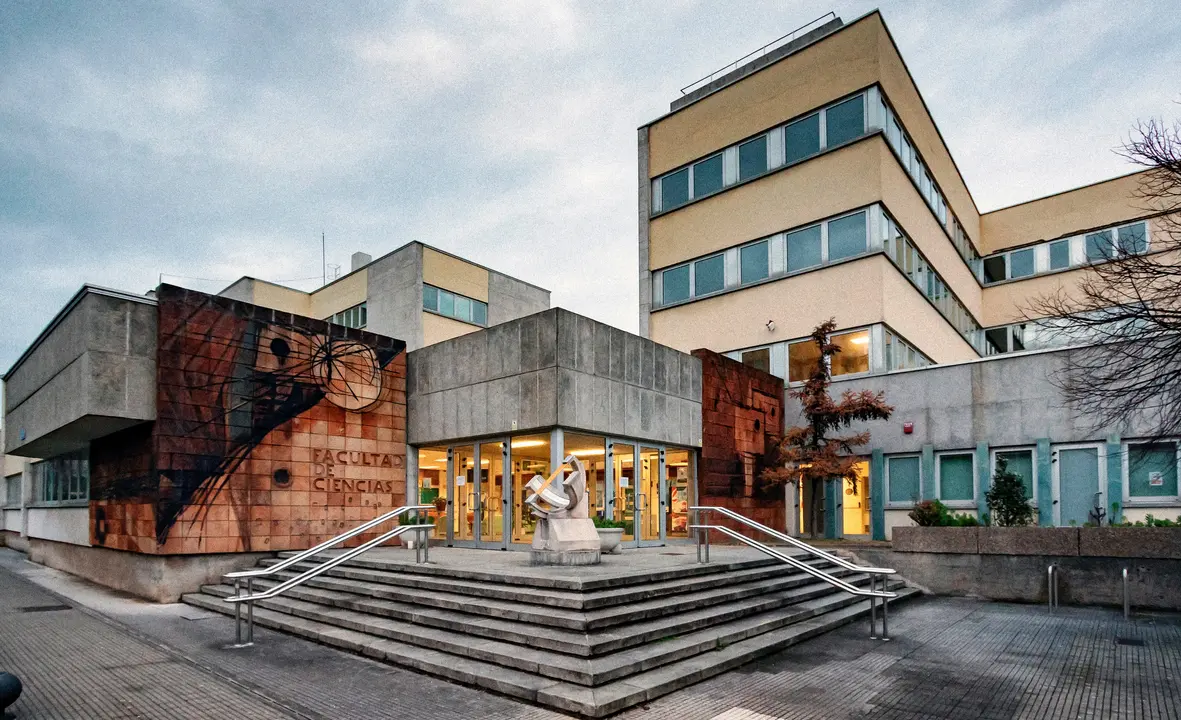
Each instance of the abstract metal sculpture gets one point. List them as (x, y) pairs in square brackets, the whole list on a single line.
[(547, 502), (565, 534)]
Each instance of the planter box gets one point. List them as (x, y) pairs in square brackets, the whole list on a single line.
[(1131, 542), (1029, 541), (936, 539)]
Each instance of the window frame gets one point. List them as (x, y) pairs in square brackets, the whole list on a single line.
[(766, 243), (901, 504), (956, 504), (62, 487), (457, 299), (693, 284), (1139, 501), (1032, 449)]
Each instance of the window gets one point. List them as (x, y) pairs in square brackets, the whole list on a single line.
[(65, 478), (802, 358), (1099, 246), (675, 283), (753, 262), (1133, 239), (354, 317), (902, 479), (956, 477), (707, 176), (845, 121), (854, 354), (12, 490), (1152, 470), (759, 359), (803, 248), (752, 158), (900, 355), (994, 268), (709, 275), (1018, 462), (846, 236), (1060, 255), (674, 189), (453, 305), (1021, 263), (802, 138)]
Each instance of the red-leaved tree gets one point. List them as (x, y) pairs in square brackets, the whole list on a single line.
[(811, 451)]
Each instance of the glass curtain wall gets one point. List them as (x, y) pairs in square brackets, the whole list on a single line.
[(680, 493), (492, 492), (530, 456), (432, 486)]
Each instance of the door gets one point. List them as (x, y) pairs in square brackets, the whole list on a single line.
[(622, 459), (1078, 483), (650, 495), (465, 495), (494, 501), (639, 496)]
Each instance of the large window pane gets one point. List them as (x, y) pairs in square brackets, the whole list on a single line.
[(1134, 238), (845, 121), (994, 268), (463, 308), (1152, 470), (1021, 263), (759, 359), (675, 283), (846, 237), (753, 261), (591, 450), (709, 275), (1020, 462), (530, 455), (678, 467), (997, 340), (803, 248), (1060, 255), (752, 158), (430, 297), (479, 312), (447, 303), (674, 189), (802, 138), (1099, 246), (903, 479), (854, 354), (956, 481), (802, 358), (707, 176)]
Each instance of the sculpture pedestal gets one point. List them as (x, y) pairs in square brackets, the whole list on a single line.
[(565, 541)]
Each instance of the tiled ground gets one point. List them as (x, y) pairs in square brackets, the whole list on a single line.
[(949, 659)]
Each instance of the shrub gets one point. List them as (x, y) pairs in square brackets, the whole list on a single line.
[(932, 513), (1007, 503), (607, 523), (1151, 521)]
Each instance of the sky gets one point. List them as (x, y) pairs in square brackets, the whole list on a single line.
[(197, 141)]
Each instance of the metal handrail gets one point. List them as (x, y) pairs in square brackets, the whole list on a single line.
[(280, 566), (835, 559), (814, 572)]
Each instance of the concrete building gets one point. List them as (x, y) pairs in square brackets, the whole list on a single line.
[(419, 293), (812, 183)]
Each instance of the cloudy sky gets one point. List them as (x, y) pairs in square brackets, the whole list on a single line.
[(199, 141)]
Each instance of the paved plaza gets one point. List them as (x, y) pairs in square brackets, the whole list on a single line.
[(85, 652)]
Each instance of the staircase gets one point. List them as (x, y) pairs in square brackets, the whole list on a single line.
[(590, 645)]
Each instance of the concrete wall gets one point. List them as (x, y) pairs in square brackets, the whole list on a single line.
[(157, 578), (548, 369), (395, 296), (90, 373), (61, 524), (509, 298)]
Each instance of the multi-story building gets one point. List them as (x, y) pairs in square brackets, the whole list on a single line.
[(418, 293), (812, 183)]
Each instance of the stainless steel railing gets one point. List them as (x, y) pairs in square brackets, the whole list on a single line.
[(421, 554), (874, 574)]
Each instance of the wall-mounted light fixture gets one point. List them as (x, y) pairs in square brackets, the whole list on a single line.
[(771, 326)]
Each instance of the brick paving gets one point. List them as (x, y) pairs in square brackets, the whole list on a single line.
[(950, 659)]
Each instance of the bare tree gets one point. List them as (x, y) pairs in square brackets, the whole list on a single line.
[(1126, 312)]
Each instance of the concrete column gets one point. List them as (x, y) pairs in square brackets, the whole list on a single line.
[(877, 495), (28, 491), (983, 478), (927, 473), (413, 492), (1045, 484), (1115, 477), (791, 508)]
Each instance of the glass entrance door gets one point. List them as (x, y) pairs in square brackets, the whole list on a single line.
[(623, 502), (1078, 483), (639, 492), (465, 494), (493, 498), (476, 486)]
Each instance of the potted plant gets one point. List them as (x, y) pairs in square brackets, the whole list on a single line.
[(610, 533), (410, 537)]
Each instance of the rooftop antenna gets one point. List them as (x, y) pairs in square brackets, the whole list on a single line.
[(323, 259)]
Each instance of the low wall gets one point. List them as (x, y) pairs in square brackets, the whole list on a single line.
[(13, 539), (159, 578), (1010, 564)]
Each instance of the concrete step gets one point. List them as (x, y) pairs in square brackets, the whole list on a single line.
[(558, 598), (564, 695), (577, 620), (547, 577), (561, 666)]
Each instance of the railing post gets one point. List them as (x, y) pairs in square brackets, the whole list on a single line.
[(250, 612), (237, 613), (1127, 597), (885, 607), (706, 531), (697, 531), (873, 610)]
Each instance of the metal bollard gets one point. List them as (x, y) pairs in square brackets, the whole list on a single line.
[(1052, 587), (1127, 597)]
